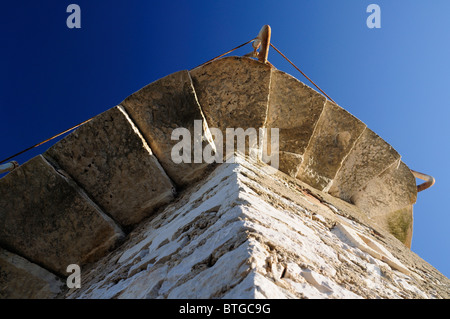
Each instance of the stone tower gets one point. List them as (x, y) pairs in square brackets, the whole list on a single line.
[(333, 221)]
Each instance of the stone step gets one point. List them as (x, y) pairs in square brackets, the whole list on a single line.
[(159, 108), (49, 220), (388, 198), (233, 93), (294, 109), (112, 162), (370, 156), (335, 135), (21, 279)]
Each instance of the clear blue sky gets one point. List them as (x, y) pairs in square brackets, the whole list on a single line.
[(395, 79)]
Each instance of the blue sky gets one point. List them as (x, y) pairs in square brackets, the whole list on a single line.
[(395, 79)]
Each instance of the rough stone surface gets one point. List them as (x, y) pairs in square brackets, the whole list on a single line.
[(242, 233), (233, 93), (21, 279), (370, 156), (294, 108), (334, 137), (111, 161), (49, 220), (399, 222), (158, 109), (388, 200)]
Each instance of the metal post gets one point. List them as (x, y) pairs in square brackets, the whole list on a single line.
[(264, 36), (8, 167), (429, 180)]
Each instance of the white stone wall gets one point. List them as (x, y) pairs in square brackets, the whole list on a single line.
[(242, 233)]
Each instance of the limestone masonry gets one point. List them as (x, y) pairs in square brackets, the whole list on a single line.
[(335, 221)]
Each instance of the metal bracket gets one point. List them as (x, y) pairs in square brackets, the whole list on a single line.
[(262, 42), (264, 37), (8, 167), (429, 180)]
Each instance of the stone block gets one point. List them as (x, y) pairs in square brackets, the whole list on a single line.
[(21, 279), (159, 108), (289, 163), (370, 156), (294, 108), (49, 220), (388, 198), (112, 162), (233, 93), (335, 135), (400, 224)]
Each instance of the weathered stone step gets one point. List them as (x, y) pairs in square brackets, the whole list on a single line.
[(21, 279), (294, 109), (335, 135), (388, 198), (370, 156), (233, 93), (112, 162), (46, 218), (320, 143), (158, 109)]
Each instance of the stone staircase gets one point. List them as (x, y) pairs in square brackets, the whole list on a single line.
[(78, 200), (320, 143)]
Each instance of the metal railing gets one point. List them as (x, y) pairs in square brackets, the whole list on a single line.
[(429, 180), (8, 167)]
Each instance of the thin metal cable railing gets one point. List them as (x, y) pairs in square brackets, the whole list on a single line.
[(45, 141)]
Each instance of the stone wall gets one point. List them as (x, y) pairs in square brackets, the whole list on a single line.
[(80, 200), (243, 233)]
